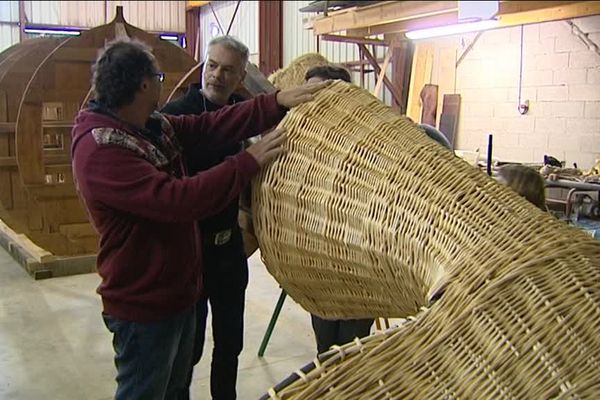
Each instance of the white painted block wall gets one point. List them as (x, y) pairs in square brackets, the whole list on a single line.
[(561, 80)]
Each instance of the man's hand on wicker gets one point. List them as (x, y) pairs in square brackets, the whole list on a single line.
[(301, 94), (269, 147)]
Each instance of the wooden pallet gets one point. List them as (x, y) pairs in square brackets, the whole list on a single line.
[(39, 263)]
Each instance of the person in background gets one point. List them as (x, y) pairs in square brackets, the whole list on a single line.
[(525, 181), (335, 332), (436, 135), (128, 171), (224, 259)]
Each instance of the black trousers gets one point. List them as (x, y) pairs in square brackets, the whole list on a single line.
[(339, 332), (225, 282)]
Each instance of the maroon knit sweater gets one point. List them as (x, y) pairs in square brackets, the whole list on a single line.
[(149, 256)]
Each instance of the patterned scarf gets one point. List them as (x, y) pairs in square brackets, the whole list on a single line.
[(156, 142)]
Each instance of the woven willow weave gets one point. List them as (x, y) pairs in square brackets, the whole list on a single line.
[(366, 216), (293, 74)]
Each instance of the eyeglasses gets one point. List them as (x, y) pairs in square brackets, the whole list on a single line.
[(160, 75)]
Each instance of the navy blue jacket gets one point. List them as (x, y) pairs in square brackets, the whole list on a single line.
[(196, 160)]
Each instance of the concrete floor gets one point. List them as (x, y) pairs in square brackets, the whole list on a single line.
[(53, 344)]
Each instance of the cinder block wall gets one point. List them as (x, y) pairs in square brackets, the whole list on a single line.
[(561, 80)]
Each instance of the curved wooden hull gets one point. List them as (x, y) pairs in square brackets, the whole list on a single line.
[(43, 84)]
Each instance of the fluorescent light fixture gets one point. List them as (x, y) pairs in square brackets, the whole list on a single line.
[(172, 38), (52, 31), (452, 29)]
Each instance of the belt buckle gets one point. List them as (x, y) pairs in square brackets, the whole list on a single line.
[(222, 237)]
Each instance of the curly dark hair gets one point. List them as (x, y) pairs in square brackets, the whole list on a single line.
[(328, 72), (119, 70), (526, 181)]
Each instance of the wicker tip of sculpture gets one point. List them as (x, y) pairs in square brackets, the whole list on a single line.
[(293, 74), (365, 216)]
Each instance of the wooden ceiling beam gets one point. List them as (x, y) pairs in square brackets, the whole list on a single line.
[(391, 11), (396, 19), (353, 39), (515, 13), (408, 25), (195, 4)]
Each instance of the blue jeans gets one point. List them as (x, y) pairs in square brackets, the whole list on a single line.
[(153, 359)]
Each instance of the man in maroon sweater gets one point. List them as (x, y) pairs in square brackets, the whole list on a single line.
[(129, 172)]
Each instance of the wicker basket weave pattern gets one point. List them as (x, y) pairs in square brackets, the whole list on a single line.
[(293, 74), (365, 216)]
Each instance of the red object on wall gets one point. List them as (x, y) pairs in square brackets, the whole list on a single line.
[(192, 32), (270, 36)]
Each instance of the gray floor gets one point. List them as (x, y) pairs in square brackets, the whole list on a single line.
[(53, 344)]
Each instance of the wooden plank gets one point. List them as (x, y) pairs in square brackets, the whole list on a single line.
[(61, 211), (531, 12), (19, 197), (468, 49), (39, 263), (75, 54), (71, 76), (195, 3), (35, 216), (3, 108), (365, 22), (421, 74), (332, 6), (449, 117), (248, 234), (44, 192), (401, 67), (354, 39), (62, 266), (270, 36), (7, 127), (7, 162), (377, 69), (182, 81), (384, 67), (256, 83), (445, 75), (34, 251), (78, 230), (381, 13), (429, 99), (52, 94), (448, 18), (49, 160), (29, 144)]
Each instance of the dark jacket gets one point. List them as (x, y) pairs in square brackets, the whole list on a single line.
[(201, 159), (143, 206)]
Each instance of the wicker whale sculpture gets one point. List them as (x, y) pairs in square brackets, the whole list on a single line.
[(365, 216)]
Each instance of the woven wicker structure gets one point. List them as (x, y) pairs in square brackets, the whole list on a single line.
[(366, 216), (293, 74)]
